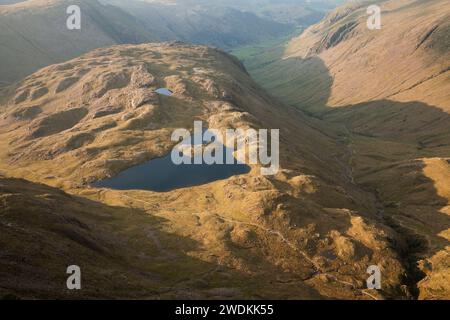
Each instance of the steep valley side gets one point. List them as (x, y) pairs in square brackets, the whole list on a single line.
[(387, 93)]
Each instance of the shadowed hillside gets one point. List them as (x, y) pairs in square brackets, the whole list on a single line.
[(34, 34), (123, 253)]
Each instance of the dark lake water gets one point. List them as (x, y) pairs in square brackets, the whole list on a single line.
[(162, 175)]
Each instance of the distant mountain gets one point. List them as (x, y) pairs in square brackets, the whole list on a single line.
[(220, 26), (296, 12), (34, 34)]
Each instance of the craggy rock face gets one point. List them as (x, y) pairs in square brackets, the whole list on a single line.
[(307, 232)]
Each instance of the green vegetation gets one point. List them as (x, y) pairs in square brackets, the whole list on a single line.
[(263, 53)]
